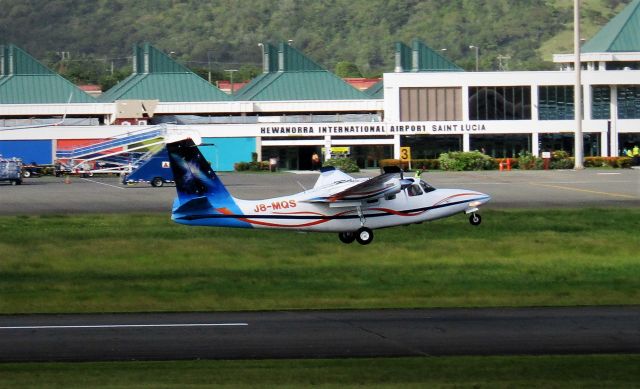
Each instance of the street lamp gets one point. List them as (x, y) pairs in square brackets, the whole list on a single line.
[(477, 48), (231, 71)]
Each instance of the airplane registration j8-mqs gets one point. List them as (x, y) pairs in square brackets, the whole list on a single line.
[(337, 203)]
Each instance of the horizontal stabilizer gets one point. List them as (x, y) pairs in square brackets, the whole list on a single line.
[(197, 204)]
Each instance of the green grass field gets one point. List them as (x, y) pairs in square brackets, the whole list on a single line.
[(123, 263), (588, 371)]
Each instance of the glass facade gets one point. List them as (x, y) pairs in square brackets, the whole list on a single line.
[(431, 146), (623, 65), (501, 146), (555, 102), (300, 157), (565, 142), (369, 156), (628, 102), (600, 102), (500, 103), (628, 141)]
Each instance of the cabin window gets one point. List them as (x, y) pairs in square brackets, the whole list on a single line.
[(414, 190), (390, 197), (426, 187)]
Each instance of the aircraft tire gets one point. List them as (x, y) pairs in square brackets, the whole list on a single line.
[(347, 237), (26, 174), (475, 219), (364, 235)]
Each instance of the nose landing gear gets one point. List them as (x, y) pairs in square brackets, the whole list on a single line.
[(475, 219), (364, 236)]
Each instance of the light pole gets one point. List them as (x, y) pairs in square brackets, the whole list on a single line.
[(231, 71), (577, 95), (477, 57), (209, 64)]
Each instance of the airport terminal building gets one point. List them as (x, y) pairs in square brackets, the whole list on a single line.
[(296, 108)]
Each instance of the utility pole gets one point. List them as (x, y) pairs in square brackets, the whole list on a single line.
[(209, 64), (503, 66), (578, 144), (231, 71)]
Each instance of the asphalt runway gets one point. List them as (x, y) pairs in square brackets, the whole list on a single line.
[(320, 334), (521, 189)]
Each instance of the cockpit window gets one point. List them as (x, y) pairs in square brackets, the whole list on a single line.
[(426, 187), (414, 190)]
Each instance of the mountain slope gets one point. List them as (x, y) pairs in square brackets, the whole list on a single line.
[(220, 33)]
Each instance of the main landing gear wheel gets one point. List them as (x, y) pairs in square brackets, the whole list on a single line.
[(347, 237), (475, 219), (364, 235)]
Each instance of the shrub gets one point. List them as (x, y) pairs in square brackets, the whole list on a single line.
[(528, 161), (251, 166), (393, 162), (473, 160), (425, 164), (614, 162), (347, 165), (560, 160), (624, 162)]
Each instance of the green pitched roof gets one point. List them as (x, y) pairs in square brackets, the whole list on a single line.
[(157, 77), (290, 75), (621, 34), (24, 80), (404, 57), (376, 91), (422, 58)]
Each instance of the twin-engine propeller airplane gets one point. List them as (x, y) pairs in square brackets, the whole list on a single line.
[(337, 203)]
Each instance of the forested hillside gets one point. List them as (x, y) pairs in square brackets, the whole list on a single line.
[(218, 34)]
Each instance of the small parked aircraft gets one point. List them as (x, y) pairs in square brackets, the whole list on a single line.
[(337, 203)]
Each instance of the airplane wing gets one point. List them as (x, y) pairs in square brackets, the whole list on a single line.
[(383, 185)]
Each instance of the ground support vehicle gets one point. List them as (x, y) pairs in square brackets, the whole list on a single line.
[(33, 170), (155, 170), (11, 170)]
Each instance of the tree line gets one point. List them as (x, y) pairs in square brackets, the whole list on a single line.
[(352, 37)]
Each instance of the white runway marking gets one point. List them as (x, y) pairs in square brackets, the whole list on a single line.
[(102, 183), (124, 326)]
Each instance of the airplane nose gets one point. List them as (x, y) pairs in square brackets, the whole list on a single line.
[(481, 199)]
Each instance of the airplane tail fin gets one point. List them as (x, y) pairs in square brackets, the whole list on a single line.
[(193, 174), (200, 191)]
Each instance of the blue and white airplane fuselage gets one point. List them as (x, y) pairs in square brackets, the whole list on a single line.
[(337, 203)]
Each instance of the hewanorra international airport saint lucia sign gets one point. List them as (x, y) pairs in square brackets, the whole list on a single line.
[(310, 129)]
